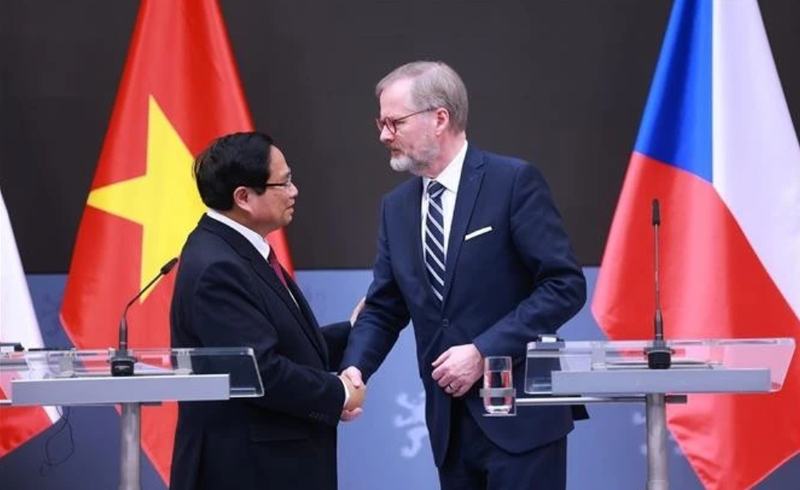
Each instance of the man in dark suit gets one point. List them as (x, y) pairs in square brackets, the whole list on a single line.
[(471, 250), (231, 292)]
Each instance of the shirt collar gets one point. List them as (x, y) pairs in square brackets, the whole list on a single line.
[(451, 174), (257, 240)]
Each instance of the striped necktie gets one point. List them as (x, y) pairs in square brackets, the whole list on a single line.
[(434, 239)]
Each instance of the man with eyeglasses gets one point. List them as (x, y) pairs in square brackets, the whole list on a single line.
[(471, 250), (230, 292)]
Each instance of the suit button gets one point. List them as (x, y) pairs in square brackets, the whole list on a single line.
[(445, 322)]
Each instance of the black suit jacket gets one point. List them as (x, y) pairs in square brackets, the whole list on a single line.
[(227, 295)]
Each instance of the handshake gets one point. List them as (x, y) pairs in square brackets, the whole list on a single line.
[(358, 392)]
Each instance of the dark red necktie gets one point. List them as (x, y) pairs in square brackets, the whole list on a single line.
[(276, 266)]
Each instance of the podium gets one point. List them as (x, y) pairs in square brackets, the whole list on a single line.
[(569, 373), (73, 377)]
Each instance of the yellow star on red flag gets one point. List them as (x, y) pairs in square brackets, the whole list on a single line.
[(164, 201)]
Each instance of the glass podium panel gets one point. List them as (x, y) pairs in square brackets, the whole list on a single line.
[(74, 377), (620, 367), (237, 364)]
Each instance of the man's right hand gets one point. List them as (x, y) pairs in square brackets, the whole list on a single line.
[(357, 391), (354, 375), (352, 378)]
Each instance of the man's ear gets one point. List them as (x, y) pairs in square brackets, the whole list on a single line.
[(241, 198), (442, 120)]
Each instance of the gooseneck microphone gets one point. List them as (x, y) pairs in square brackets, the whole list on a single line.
[(121, 362), (659, 356), (658, 321)]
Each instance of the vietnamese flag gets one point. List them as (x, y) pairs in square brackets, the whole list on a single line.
[(717, 147), (179, 90)]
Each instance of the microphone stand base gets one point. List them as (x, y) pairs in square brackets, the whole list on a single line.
[(659, 357), (122, 365)]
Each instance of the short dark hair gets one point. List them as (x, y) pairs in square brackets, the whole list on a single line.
[(233, 160)]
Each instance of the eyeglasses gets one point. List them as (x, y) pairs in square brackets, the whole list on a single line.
[(287, 184), (391, 124)]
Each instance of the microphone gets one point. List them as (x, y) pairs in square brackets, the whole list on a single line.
[(121, 362), (659, 356)]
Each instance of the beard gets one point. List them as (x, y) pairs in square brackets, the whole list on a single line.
[(415, 162), (403, 163)]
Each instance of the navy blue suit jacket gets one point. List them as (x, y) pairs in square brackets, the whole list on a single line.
[(227, 295), (502, 289)]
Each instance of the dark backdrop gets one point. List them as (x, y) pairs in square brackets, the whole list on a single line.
[(560, 83)]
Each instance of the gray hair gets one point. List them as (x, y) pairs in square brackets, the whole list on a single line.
[(434, 85)]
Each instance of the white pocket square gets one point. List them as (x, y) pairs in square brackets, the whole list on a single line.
[(475, 233)]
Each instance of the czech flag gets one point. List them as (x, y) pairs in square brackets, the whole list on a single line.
[(717, 148)]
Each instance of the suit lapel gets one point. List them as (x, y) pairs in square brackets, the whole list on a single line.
[(415, 220), (468, 187), (265, 272), (306, 317)]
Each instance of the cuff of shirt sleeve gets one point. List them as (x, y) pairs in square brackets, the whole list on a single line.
[(346, 393)]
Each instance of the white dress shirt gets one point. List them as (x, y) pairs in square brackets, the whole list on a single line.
[(449, 178)]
